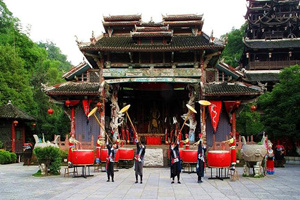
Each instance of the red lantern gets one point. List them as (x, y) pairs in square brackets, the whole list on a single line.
[(33, 125), (15, 122), (238, 103), (67, 103), (50, 111), (99, 105), (253, 108)]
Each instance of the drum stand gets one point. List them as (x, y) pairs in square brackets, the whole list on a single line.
[(219, 173)]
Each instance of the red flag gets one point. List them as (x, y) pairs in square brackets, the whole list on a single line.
[(215, 110), (86, 106)]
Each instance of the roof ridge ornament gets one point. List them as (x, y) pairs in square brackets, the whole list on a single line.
[(93, 39), (212, 38)]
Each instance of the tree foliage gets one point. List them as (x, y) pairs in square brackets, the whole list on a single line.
[(50, 156), (281, 106), (25, 65), (249, 122), (234, 48)]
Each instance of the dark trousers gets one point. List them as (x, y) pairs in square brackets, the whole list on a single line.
[(175, 171), (110, 170)]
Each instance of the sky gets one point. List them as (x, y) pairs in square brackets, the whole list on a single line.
[(59, 21)]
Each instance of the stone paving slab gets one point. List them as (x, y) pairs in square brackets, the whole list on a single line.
[(17, 182)]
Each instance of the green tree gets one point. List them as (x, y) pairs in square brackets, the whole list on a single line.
[(281, 106), (25, 65), (235, 46), (14, 80), (54, 53), (249, 122)]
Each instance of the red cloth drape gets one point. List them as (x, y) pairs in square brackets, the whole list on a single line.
[(215, 110), (86, 106)]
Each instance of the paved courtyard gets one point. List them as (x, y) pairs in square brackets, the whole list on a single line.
[(17, 182)]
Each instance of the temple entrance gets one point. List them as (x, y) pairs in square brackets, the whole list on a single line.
[(156, 108)]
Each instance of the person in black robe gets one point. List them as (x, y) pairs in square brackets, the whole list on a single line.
[(200, 158), (110, 160), (139, 160), (175, 162)]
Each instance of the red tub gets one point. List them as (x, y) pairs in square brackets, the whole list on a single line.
[(103, 155), (126, 154), (189, 156), (218, 158), (83, 157)]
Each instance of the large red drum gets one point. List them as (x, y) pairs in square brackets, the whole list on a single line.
[(189, 156), (103, 155), (126, 154), (83, 157), (218, 158), (180, 153)]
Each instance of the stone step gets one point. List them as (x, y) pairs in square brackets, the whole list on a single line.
[(292, 160)]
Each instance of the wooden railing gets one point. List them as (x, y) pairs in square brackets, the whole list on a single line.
[(239, 143), (272, 64), (64, 145)]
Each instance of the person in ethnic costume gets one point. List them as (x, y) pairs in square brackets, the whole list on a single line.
[(232, 146), (186, 141), (139, 160), (110, 160), (98, 149), (200, 158), (270, 159), (72, 145), (175, 161)]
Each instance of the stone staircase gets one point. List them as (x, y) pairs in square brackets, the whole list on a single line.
[(292, 160)]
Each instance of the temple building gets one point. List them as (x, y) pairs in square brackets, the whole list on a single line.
[(157, 68), (13, 126), (272, 39)]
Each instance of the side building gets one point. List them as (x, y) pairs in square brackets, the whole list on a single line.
[(272, 39)]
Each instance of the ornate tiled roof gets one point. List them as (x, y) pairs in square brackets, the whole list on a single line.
[(121, 23), (76, 71), (184, 17), (10, 111), (151, 23), (74, 88), (178, 43), (122, 18), (273, 44), (184, 23), (229, 70), (152, 34), (230, 89), (151, 28)]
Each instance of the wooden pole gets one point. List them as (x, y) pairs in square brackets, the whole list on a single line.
[(131, 124), (186, 118), (101, 127)]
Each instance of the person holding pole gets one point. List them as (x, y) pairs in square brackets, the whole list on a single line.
[(110, 160), (200, 158), (175, 161), (139, 160)]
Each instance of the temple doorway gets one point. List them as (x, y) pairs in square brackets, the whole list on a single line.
[(155, 107)]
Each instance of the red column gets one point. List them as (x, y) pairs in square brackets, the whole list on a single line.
[(72, 119), (13, 137), (102, 115), (233, 123)]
